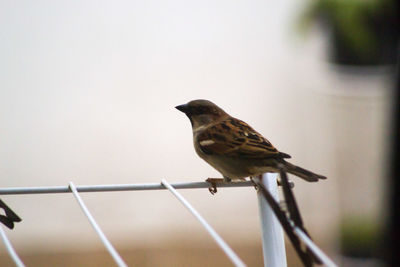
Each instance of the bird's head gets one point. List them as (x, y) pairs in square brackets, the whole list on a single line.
[(202, 112)]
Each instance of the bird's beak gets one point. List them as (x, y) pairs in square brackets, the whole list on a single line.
[(184, 108)]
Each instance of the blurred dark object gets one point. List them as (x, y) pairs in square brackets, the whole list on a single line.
[(392, 237), (10, 216), (359, 238), (361, 32)]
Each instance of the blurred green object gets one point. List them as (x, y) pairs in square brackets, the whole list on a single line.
[(363, 32), (360, 238)]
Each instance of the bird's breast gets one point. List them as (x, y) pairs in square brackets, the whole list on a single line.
[(227, 166)]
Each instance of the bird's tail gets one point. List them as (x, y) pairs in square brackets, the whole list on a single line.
[(302, 173), (10, 217)]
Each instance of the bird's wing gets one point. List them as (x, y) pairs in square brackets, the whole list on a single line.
[(235, 138)]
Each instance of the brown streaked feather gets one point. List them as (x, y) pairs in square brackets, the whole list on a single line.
[(235, 138)]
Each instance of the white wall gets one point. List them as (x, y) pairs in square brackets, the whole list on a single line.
[(87, 94)]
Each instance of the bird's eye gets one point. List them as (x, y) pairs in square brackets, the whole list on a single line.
[(204, 110), (199, 110)]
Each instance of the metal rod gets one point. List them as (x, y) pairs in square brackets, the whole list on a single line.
[(96, 227), (310, 244), (224, 246), (272, 234), (10, 249), (265, 211), (111, 187), (287, 224)]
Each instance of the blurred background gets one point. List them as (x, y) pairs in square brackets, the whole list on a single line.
[(88, 90)]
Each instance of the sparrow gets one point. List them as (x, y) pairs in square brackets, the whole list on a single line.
[(234, 148), (10, 216)]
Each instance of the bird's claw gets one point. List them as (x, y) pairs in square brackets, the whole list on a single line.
[(291, 184), (213, 182), (213, 189), (254, 184)]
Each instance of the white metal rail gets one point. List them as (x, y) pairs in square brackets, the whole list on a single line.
[(273, 248), (111, 187), (224, 246), (97, 228), (10, 249), (271, 231), (310, 244)]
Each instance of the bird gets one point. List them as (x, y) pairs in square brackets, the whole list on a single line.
[(233, 147), (10, 216)]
